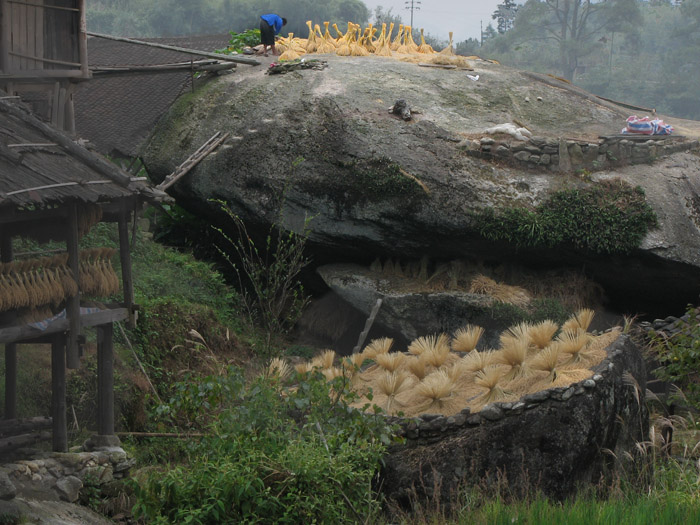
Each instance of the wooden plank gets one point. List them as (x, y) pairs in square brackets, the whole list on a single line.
[(82, 40), (13, 427), (37, 74), (61, 120), (54, 103), (5, 36), (125, 258), (58, 394), (39, 34), (14, 442), (43, 6), (73, 302), (16, 32), (69, 125), (228, 58), (37, 60), (30, 42), (105, 380), (27, 333)]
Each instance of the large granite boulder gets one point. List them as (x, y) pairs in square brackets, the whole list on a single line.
[(322, 144), (554, 441)]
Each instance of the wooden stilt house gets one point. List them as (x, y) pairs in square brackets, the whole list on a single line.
[(43, 55), (51, 188)]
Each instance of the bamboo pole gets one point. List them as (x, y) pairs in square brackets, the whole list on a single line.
[(218, 56)]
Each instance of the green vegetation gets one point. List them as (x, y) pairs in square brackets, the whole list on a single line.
[(272, 453), (679, 356), (239, 41), (607, 218)]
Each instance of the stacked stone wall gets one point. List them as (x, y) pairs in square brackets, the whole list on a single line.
[(563, 155)]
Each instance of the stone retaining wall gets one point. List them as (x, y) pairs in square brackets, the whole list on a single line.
[(564, 155), (553, 440), (61, 476)]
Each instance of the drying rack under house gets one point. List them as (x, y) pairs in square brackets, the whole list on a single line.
[(53, 189)]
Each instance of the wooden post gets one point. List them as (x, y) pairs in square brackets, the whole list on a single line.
[(105, 380), (58, 393), (125, 258), (82, 40), (73, 303), (5, 37), (6, 255)]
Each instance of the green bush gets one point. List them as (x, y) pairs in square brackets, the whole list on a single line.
[(609, 217), (679, 356), (273, 454)]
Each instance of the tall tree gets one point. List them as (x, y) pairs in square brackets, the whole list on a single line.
[(575, 25), (504, 15)]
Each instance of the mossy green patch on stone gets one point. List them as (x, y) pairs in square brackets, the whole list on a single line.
[(375, 180), (605, 218)]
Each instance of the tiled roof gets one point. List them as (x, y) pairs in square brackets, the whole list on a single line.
[(118, 113)]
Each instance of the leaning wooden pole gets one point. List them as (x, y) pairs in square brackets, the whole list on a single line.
[(105, 380), (58, 393), (73, 302), (218, 56), (368, 327)]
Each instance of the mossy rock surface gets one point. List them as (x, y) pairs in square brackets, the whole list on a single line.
[(323, 144)]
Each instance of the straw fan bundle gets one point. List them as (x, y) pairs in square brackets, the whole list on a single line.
[(48, 281), (445, 374), (357, 41)]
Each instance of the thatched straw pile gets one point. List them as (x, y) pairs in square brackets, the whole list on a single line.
[(435, 376)]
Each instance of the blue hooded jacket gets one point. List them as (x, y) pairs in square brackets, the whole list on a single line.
[(275, 22)]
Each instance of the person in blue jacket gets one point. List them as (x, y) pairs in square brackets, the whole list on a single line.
[(270, 26)]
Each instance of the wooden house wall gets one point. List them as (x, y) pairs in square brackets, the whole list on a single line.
[(39, 36)]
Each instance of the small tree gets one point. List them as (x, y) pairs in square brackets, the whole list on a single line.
[(268, 273)]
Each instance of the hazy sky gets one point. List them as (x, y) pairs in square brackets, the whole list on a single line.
[(439, 17)]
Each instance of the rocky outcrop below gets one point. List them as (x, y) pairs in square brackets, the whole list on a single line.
[(412, 314), (554, 441), (61, 476)]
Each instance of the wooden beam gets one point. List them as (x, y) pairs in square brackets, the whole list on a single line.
[(125, 258), (12, 427), (105, 380), (73, 302), (36, 75), (28, 333), (14, 442), (5, 37), (45, 60), (58, 394), (43, 6), (218, 56), (82, 40)]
